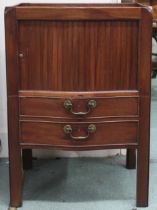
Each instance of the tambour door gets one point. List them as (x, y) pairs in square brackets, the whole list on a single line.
[(78, 55)]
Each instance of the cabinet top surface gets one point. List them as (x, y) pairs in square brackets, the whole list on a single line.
[(78, 11), (123, 5)]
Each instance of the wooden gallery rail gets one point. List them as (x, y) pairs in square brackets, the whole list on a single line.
[(78, 78)]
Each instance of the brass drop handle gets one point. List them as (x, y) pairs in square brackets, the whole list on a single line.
[(69, 106), (68, 130)]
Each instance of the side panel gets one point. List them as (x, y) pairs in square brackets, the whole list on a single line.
[(13, 108), (145, 48)]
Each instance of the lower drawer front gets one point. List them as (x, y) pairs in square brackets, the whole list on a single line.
[(78, 134)]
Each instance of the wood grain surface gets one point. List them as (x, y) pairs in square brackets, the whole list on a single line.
[(78, 52)]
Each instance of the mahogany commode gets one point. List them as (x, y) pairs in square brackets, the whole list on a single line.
[(78, 78)]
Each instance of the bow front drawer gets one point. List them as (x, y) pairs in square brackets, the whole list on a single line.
[(76, 134), (72, 105)]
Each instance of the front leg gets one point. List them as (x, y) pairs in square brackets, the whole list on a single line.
[(15, 156)]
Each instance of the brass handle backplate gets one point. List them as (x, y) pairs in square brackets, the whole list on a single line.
[(69, 106), (68, 130)]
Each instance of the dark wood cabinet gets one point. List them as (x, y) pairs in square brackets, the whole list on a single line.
[(78, 78)]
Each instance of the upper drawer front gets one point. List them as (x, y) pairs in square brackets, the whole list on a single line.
[(88, 106)]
